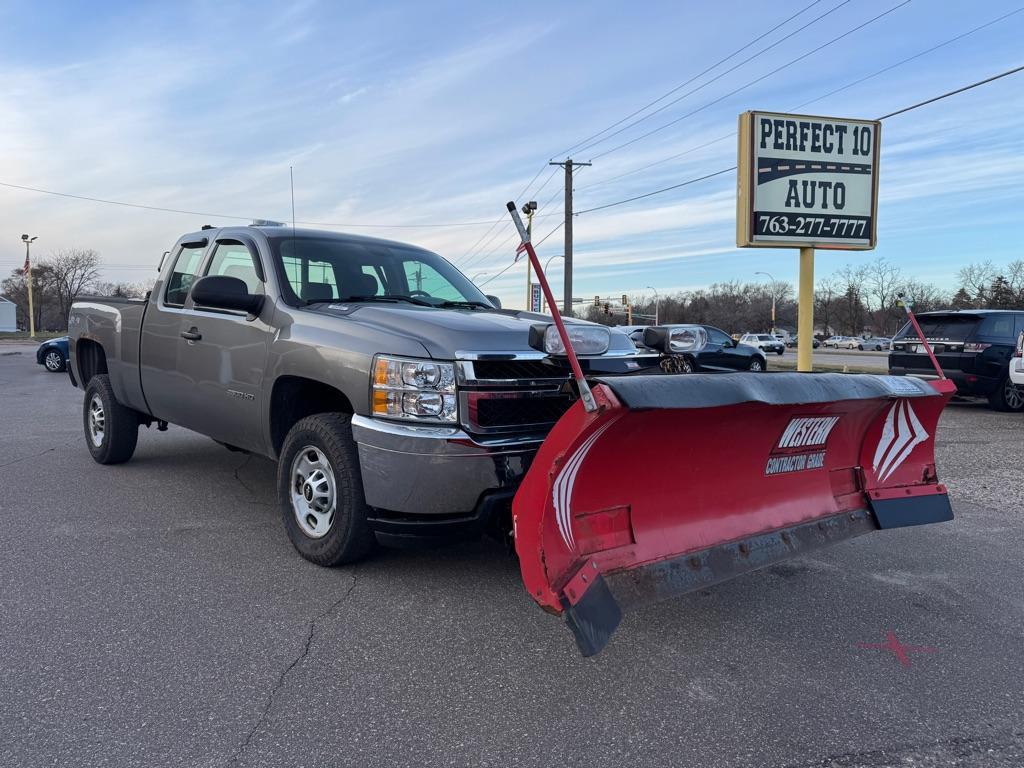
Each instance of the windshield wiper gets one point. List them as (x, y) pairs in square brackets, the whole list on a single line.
[(390, 298), (469, 304)]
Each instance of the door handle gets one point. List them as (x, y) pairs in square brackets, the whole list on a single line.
[(192, 334)]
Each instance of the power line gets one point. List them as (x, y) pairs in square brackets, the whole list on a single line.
[(206, 214), (719, 76), (918, 105), (664, 96), (947, 94), (657, 191), (752, 82), (907, 60), (535, 245), (468, 254), (481, 257), (834, 91), (676, 156)]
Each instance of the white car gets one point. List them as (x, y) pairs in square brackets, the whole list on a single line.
[(764, 342), (1017, 362), (877, 343)]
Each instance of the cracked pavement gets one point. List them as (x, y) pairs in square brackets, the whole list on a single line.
[(155, 614)]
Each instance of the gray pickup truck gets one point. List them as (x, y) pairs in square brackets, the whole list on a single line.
[(397, 399)]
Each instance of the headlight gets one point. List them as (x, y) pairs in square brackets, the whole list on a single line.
[(415, 390), (585, 339)]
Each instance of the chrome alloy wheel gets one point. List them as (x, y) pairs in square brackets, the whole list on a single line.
[(52, 361), (97, 421), (1013, 395), (313, 491), (756, 365)]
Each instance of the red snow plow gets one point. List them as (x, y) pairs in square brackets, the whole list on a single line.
[(743, 470)]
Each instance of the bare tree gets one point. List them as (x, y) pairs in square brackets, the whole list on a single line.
[(977, 279), (123, 290), (1014, 274), (72, 272), (825, 295), (883, 283), (850, 305)]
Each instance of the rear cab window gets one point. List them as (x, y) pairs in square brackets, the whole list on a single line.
[(183, 274), (233, 259)]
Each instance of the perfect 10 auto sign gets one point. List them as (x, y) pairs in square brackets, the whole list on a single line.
[(807, 181)]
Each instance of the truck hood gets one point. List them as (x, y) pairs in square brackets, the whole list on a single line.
[(447, 333)]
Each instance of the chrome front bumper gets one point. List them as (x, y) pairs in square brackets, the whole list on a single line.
[(415, 469)]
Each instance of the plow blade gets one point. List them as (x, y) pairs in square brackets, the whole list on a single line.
[(675, 483)]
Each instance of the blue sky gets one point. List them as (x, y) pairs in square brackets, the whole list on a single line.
[(415, 113)]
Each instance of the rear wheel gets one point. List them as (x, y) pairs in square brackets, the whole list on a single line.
[(54, 361), (1007, 397), (320, 491), (111, 429), (757, 365)]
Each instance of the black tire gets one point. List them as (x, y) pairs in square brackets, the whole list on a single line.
[(779, 351), (111, 433), (1007, 397), (758, 364), (348, 536), (54, 362), (860, 347)]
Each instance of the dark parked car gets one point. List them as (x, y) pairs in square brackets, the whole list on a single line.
[(53, 354), (973, 347), (719, 352), (794, 340)]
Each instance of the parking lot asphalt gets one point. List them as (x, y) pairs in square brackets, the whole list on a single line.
[(155, 614), (868, 359)]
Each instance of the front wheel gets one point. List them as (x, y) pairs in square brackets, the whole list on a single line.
[(1007, 397), (320, 491), (54, 361), (757, 365), (111, 429)]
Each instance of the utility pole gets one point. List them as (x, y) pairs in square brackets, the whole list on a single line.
[(28, 280), (769, 276), (657, 303), (568, 165), (529, 209)]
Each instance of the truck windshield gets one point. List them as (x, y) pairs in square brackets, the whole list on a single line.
[(333, 269)]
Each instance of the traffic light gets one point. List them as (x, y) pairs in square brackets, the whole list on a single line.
[(607, 308), (597, 301), (625, 299)]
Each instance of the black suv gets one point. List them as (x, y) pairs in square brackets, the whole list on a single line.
[(973, 347)]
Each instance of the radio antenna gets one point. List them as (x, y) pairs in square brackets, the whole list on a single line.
[(291, 182)]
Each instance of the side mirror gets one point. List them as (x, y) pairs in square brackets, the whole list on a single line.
[(495, 301), (730, 344), (224, 292), (675, 339)]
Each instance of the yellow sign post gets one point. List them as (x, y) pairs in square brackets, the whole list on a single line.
[(806, 182)]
